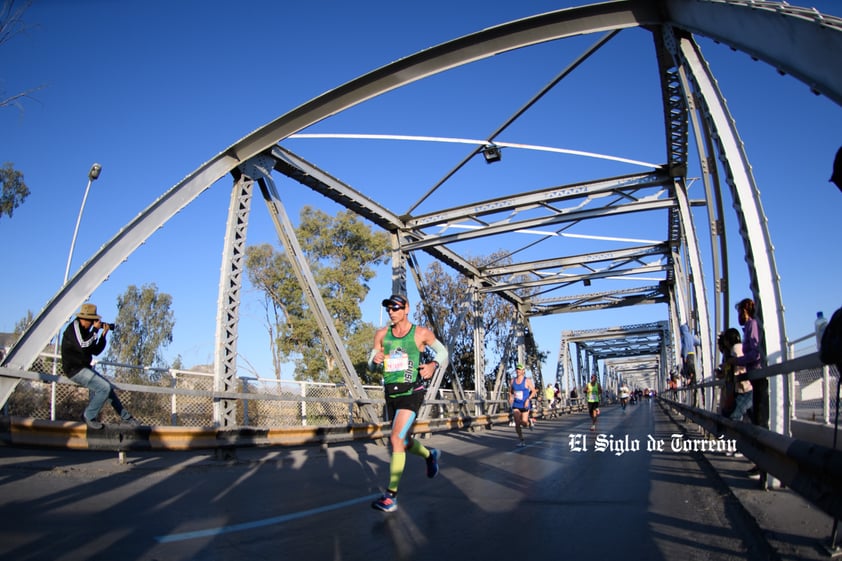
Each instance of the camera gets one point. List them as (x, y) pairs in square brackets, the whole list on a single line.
[(111, 326)]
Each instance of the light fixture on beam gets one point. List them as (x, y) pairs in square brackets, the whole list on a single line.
[(587, 282), (491, 153)]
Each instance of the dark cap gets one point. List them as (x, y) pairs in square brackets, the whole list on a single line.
[(398, 299)]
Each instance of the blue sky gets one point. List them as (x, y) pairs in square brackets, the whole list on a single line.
[(153, 89)]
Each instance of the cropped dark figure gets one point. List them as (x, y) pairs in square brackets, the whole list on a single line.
[(82, 341)]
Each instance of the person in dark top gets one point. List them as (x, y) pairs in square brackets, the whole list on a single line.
[(83, 339), (752, 359)]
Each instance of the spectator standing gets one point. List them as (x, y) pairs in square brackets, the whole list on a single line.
[(689, 342), (752, 360)]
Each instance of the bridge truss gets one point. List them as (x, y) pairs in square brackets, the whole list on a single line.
[(696, 119)]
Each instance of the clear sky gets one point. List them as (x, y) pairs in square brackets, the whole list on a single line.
[(152, 89)]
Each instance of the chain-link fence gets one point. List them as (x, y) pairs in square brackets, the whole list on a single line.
[(814, 394), (284, 403), (276, 403)]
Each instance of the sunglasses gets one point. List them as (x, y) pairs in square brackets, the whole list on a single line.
[(394, 308)]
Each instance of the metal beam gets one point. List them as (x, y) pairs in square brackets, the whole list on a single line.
[(798, 41)]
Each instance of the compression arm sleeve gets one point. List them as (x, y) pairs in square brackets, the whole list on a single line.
[(440, 350)]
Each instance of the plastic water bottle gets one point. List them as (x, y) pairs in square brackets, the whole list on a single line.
[(821, 323)]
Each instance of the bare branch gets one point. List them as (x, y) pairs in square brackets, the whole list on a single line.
[(13, 100), (11, 24), (11, 19)]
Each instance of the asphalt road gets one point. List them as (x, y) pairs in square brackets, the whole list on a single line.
[(556, 498)]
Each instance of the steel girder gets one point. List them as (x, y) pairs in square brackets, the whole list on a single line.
[(623, 343), (811, 51), (228, 302), (597, 301), (759, 250), (286, 233), (643, 339), (643, 371)]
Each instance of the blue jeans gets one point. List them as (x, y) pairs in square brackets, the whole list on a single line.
[(101, 391), (742, 404)]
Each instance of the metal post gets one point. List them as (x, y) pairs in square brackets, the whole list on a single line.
[(174, 400), (246, 389)]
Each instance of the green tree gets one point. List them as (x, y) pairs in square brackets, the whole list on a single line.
[(144, 328), (444, 294), (14, 191), (23, 324), (342, 253)]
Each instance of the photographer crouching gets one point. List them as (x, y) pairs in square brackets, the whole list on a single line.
[(83, 340)]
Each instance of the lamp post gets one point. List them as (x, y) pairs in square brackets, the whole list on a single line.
[(93, 175)]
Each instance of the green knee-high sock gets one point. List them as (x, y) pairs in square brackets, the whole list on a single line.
[(418, 449), (396, 470)]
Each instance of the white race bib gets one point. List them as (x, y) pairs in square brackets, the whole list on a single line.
[(396, 362)]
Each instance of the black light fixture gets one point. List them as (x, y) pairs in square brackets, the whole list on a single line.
[(587, 282), (491, 153)]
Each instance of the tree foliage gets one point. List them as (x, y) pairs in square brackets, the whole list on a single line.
[(23, 324), (14, 190), (444, 295), (144, 327), (342, 253)]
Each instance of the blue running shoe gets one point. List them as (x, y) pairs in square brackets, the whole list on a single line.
[(386, 503), (433, 463)]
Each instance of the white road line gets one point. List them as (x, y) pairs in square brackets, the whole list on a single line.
[(169, 538)]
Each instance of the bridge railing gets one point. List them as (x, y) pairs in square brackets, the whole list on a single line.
[(172, 397), (806, 457), (809, 397)]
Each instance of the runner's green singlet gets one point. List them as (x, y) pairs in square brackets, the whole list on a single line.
[(402, 358)]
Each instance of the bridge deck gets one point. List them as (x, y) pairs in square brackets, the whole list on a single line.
[(492, 500)]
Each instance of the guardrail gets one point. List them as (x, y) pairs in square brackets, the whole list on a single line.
[(808, 409), (812, 470), (803, 458), (23, 431)]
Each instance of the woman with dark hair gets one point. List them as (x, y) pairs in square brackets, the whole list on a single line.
[(752, 359)]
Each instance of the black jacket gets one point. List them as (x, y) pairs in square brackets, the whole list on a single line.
[(78, 347)]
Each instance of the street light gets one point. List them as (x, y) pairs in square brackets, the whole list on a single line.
[(93, 175)]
